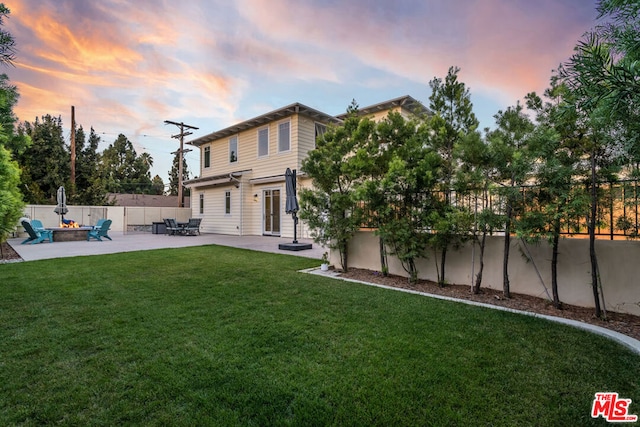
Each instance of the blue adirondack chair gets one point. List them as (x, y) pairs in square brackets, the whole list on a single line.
[(36, 236), (101, 232), (36, 224), (99, 224)]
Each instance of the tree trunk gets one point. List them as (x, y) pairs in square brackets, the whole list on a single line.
[(343, 255), (554, 264), (443, 259), (476, 287), (384, 266), (507, 244), (592, 237)]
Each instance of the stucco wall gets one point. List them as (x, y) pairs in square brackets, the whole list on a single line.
[(619, 263)]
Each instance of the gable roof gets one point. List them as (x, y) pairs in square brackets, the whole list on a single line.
[(407, 102), (278, 114)]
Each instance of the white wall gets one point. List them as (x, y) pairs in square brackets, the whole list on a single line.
[(120, 216), (619, 264)]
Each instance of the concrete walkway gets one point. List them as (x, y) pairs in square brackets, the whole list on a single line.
[(145, 241)]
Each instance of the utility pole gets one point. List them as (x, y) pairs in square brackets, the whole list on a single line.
[(180, 136), (73, 147)]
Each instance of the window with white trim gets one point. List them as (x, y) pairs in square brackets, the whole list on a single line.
[(207, 156), (201, 210), (233, 149), (227, 202), (284, 137), (263, 142)]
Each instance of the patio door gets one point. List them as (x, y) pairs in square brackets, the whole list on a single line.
[(271, 212)]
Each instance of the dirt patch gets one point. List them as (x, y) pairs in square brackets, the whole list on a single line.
[(626, 324), (7, 253)]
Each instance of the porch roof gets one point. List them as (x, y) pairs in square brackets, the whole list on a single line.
[(216, 180)]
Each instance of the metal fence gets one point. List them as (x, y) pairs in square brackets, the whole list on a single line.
[(617, 216)]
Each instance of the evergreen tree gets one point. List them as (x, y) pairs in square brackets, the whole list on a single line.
[(11, 202), (508, 149), (330, 207), (406, 199), (89, 189), (453, 121), (157, 185), (123, 171), (174, 173), (558, 145), (46, 164)]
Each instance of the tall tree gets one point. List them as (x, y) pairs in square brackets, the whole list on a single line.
[(453, 120), (604, 76), (557, 144), (7, 42), (11, 202), (174, 174), (89, 188), (46, 164), (407, 197), (474, 180), (158, 185), (122, 170), (14, 142), (330, 207), (508, 148)]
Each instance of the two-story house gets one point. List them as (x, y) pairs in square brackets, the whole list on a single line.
[(241, 187)]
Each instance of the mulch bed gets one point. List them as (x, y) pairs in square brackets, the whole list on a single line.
[(7, 253), (626, 324)]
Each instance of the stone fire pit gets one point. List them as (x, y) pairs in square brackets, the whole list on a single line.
[(64, 234)]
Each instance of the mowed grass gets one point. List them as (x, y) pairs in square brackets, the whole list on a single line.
[(221, 336)]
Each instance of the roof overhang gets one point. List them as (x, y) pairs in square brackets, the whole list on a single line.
[(275, 115), (216, 180), (406, 102)]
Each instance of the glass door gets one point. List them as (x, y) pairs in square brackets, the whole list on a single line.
[(271, 212)]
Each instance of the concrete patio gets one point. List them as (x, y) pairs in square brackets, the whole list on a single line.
[(146, 241)]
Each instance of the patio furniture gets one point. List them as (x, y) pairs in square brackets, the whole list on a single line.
[(172, 226), (36, 236), (36, 224), (99, 224), (193, 226), (101, 232)]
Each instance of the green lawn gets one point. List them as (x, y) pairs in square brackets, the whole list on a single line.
[(221, 336)]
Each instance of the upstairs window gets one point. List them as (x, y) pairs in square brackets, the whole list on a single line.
[(284, 137), (263, 142), (320, 130), (207, 156), (233, 149)]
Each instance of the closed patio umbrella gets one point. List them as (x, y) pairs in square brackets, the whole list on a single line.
[(291, 202), (61, 207)]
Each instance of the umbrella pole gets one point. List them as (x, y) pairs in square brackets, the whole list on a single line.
[(295, 228)]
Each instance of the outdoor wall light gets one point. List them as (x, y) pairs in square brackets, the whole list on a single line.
[(255, 197)]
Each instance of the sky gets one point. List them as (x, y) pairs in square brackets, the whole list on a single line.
[(127, 66)]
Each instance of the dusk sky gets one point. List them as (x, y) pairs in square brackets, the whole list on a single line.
[(127, 66)]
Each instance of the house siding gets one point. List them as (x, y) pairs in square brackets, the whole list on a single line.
[(252, 175)]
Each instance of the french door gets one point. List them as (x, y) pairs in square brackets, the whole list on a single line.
[(271, 212)]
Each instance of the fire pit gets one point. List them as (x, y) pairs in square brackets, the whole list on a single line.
[(70, 234)]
